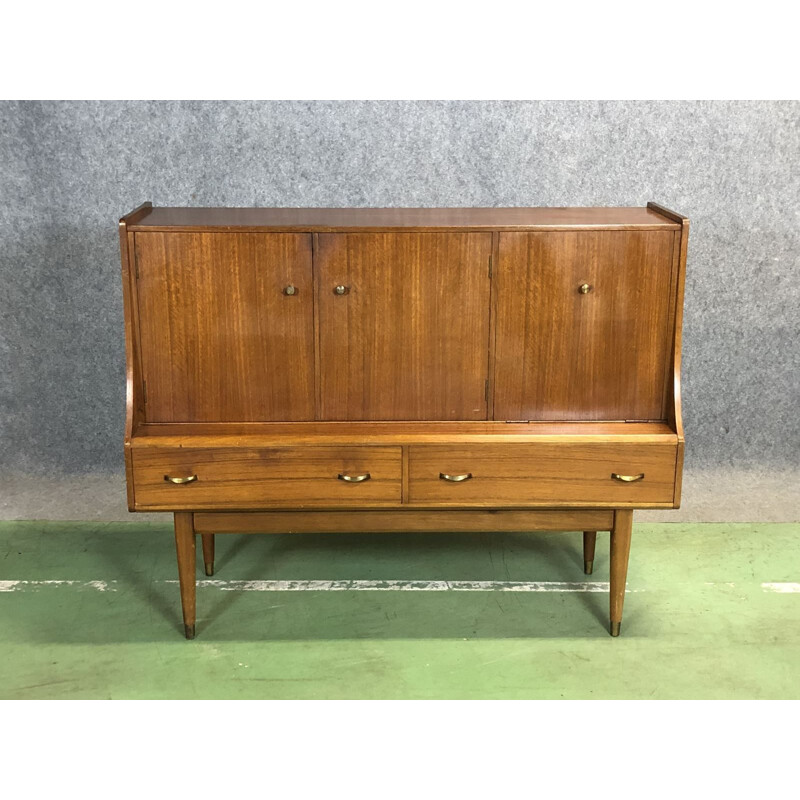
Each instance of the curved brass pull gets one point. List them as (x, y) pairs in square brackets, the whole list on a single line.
[(190, 479), (354, 478), (627, 478), (443, 476)]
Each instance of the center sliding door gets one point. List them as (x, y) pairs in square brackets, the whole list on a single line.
[(403, 325)]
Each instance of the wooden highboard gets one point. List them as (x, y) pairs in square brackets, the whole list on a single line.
[(403, 370)]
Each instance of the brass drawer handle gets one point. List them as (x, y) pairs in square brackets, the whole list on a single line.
[(354, 478), (627, 478), (443, 476), (190, 479)]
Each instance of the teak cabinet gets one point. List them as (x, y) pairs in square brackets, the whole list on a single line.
[(403, 370)]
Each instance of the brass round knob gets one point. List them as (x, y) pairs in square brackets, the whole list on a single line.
[(290, 290), (341, 290), (584, 288)]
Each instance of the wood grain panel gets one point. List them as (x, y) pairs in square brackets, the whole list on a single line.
[(405, 521), (542, 474), (220, 340), (620, 552), (322, 220), (186, 547), (277, 434), (409, 340), (674, 413), (134, 403), (242, 478), (563, 355)]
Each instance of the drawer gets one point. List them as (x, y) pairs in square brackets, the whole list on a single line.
[(254, 478), (543, 474)]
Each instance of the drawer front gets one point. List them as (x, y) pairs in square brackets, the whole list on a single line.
[(559, 474), (239, 478)]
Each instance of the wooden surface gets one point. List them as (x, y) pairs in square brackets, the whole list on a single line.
[(517, 475), (589, 545), (185, 545), (560, 474), (620, 552), (674, 412), (134, 403), (320, 220), (267, 398), (409, 340), (220, 339), (208, 552), (436, 521), (665, 212), (563, 355), (297, 433), (243, 478), (138, 213)]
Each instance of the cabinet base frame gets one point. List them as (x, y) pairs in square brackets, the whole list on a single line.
[(406, 521), (188, 525)]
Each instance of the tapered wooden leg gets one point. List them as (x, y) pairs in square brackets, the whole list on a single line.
[(620, 550), (185, 545), (208, 552), (589, 541)]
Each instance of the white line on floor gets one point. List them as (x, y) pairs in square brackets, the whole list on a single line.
[(337, 586), (781, 588), (403, 586), (372, 586), (17, 586)]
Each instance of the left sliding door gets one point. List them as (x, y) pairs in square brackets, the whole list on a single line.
[(226, 326)]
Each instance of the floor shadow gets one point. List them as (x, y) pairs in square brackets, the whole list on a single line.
[(145, 603)]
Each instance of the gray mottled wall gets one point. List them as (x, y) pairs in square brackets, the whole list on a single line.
[(68, 170)]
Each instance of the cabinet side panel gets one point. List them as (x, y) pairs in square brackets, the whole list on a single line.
[(406, 340), (132, 377), (221, 341), (674, 413), (563, 354)]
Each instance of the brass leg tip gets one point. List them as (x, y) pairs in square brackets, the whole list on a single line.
[(588, 566), (615, 626), (189, 630), (209, 569)]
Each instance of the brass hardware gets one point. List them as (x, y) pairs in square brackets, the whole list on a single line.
[(353, 478), (190, 479), (340, 290), (584, 288), (627, 478), (615, 626), (443, 476), (588, 567), (290, 290)]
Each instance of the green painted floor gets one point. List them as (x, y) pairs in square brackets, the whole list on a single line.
[(698, 623)]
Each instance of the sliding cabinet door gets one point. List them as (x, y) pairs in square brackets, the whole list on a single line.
[(226, 326), (403, 325), (582, 325)]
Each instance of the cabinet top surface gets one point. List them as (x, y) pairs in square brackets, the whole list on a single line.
[(353, 219)]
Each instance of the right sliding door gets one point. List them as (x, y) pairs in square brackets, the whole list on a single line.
[(582, 325)]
